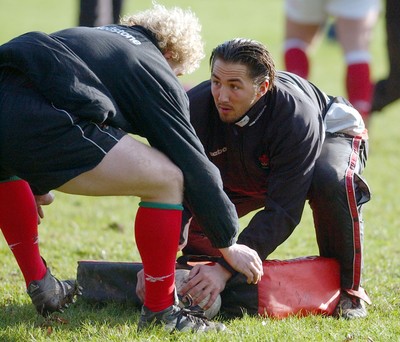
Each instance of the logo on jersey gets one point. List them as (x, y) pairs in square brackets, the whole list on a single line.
[(122, 33), (264, 161), (218, 152)]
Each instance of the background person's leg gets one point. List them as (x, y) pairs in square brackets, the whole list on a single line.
[(388, 90), (354, 36), (298, 39)]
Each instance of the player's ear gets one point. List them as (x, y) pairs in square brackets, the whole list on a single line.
[(167, 55), (263, 88)]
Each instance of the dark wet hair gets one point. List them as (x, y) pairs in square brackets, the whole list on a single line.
[(250, 53)]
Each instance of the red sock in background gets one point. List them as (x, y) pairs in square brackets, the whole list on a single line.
[(157, 232), (359, 87), (296, 60), (19, 224)]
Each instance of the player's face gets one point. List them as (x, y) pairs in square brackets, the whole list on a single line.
[(234, 92)]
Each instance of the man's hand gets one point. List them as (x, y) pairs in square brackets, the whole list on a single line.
[(205, 280), (45, 199), (244, 260)]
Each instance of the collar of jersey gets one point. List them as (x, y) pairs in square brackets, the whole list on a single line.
[(253, 114)]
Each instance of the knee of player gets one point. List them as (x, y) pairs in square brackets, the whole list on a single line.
[(177, 178), (171, 179)]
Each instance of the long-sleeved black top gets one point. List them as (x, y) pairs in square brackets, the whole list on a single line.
[(271, 157), (117, 75)]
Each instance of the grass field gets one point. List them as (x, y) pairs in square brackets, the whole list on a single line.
[(78, 228)]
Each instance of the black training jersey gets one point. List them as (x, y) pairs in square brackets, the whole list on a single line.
[(269, 154), (117, 75)]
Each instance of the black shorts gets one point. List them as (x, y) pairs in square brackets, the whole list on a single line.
[(44, 145)]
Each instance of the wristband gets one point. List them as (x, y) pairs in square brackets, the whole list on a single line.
[(226, 265)]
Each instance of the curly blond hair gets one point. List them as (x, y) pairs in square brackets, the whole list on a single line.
[(176, 30)]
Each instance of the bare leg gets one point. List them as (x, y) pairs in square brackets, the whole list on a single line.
[(308, 33), (131, 168)]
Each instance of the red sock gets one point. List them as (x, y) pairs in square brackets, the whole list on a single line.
[(157, 231), (19, 224), (359, 87), (296, 61)]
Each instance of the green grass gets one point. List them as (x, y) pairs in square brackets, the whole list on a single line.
[(77, 228)]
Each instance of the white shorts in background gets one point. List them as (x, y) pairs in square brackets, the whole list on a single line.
[(316, 11)]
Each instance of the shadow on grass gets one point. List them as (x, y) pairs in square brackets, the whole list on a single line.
[(13, 316)]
